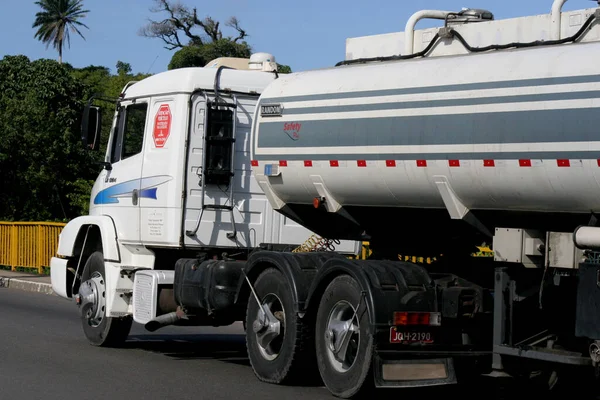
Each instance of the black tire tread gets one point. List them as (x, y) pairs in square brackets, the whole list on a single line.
[(117, 329), (367, 386), (303, 357), (117, 333)]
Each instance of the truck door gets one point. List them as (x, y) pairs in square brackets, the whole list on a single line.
[(160, 199), (120, 192)]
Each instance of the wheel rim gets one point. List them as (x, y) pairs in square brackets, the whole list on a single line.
[(342, 336), (272, 349), (92, 295)]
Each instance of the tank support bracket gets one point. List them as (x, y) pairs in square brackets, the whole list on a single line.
[(330, 202), (455, 206)]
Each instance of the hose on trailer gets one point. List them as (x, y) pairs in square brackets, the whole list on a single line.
[(451, 33)]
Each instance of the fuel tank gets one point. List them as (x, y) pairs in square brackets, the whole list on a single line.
[(510, 136)]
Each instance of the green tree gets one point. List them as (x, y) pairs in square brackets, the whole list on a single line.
[(199, 56), (123, 68), (284, 69), (42, 160), (55, 21), (97, 81)]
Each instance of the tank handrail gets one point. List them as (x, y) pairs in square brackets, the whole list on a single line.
[(556, 14), (409, 31)]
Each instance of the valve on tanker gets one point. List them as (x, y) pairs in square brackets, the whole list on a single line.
[(469, 15), (318, 202)]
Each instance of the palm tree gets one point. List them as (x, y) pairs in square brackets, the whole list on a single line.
[(55, 21)]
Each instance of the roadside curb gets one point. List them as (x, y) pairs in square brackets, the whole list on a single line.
[(26, 285)]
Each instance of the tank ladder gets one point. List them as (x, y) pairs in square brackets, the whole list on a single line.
[(211, 176)]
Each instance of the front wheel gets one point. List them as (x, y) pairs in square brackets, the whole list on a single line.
[(99, 329), (344, 344)]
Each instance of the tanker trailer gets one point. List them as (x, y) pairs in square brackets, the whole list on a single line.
[(440, 150)]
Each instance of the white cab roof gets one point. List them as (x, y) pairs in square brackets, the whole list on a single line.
[(188, 80)]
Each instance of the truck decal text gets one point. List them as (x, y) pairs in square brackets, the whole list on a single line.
[(292, 129)]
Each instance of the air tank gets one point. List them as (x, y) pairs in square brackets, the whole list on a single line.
[(503, 138)]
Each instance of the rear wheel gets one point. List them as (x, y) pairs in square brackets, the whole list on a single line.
[(99, 329), (277, 345), (344, 344)]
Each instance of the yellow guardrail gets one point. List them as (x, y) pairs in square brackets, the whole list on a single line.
[(33, 244), (366, 252), (484, 251), (28, 244)]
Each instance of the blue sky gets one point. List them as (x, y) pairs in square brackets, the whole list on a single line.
[(304, 34)]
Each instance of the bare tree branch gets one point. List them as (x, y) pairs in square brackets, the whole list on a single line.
[(162, 30), (183, 21), (235, 24)]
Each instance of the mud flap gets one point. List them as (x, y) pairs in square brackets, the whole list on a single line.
[(390, 373)]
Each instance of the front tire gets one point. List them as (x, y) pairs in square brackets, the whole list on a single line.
[(344, 344), (287, 355), (99, 329)]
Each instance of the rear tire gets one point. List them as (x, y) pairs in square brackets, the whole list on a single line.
[(285, 358), (99, 329), (347, 373)]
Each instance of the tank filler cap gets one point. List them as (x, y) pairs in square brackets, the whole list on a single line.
[(262, 62), (469, 15)]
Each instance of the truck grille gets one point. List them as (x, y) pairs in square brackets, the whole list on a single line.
[(143, 292)]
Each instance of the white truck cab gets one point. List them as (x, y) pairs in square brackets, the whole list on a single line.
[(176, 181)]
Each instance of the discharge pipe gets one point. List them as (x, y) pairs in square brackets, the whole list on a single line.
[(165, 320), (556, 18), (409, 31), (587, 238)]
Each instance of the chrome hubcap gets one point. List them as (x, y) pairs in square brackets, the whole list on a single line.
[(92, 299), (269, 327), (342, 336)]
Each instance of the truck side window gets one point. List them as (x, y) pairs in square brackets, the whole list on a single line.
[(135, 122), (130, 131), (115, 151)]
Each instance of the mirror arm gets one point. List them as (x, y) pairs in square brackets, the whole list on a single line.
[(105, 164)]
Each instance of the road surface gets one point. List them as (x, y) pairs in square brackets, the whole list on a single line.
[(44, 355)]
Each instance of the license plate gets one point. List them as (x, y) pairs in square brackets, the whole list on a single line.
[(398, 336)]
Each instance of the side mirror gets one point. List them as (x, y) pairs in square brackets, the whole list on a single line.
[(91, 127)]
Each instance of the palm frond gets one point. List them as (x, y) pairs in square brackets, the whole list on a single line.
[(56, 19)]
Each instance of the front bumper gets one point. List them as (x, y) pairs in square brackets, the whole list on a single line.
[(58, 276)]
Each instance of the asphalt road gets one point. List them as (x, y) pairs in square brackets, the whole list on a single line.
[(44, 355)]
